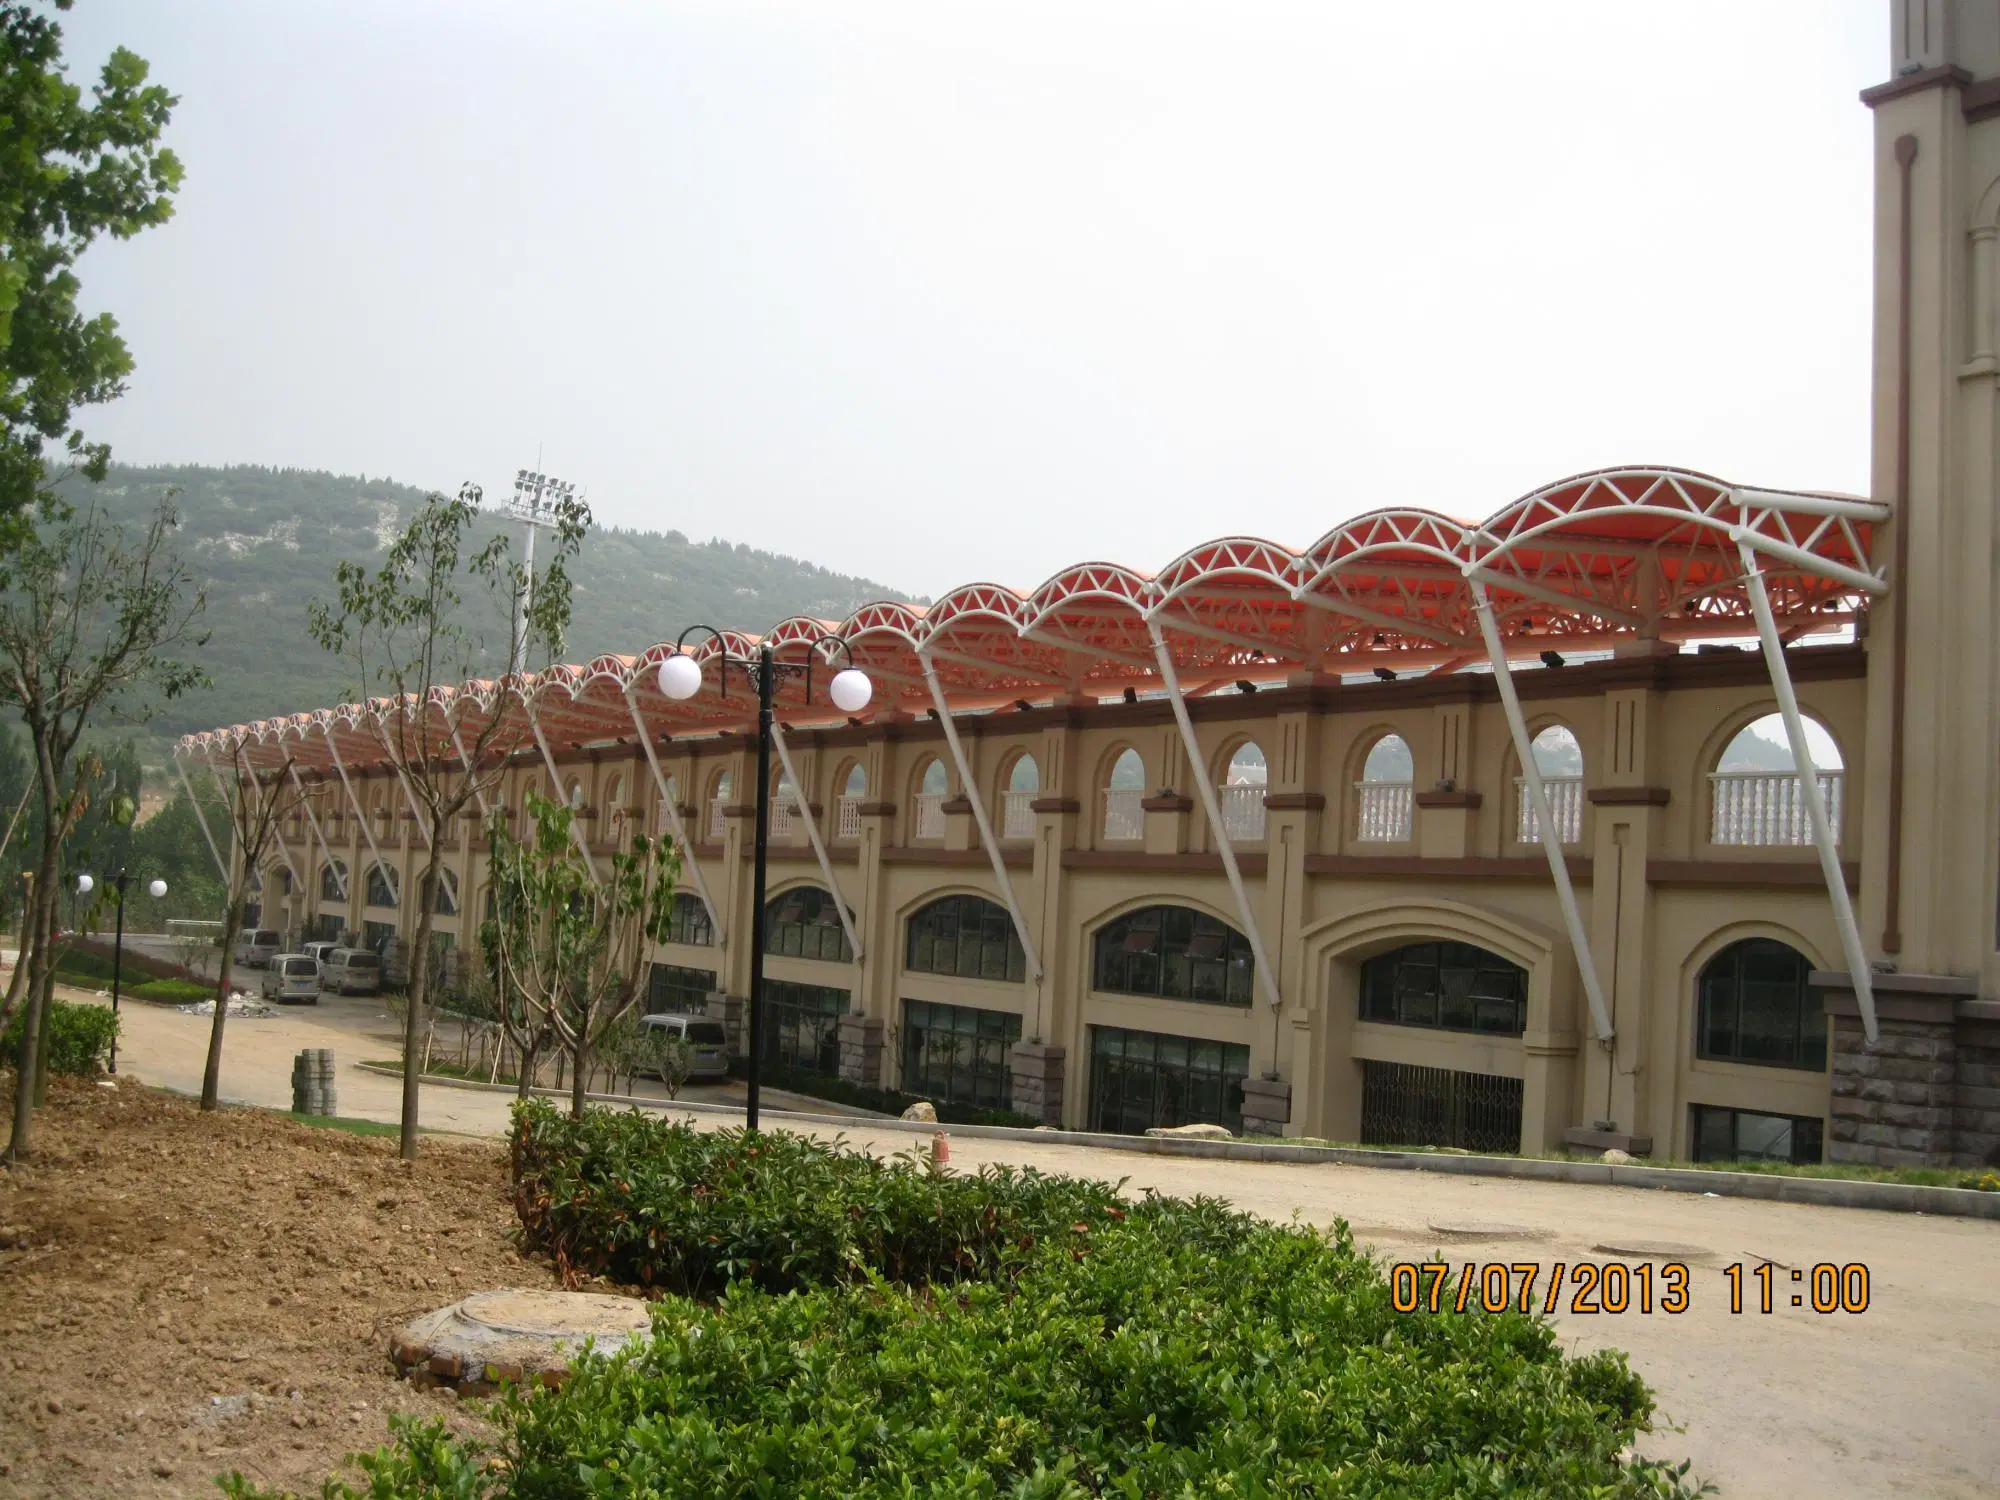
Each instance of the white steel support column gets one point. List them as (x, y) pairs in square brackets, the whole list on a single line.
[(1531, 777), (410, 797), (576, 833), (1266, 975), (971, 789), (258, 794), (812, 833), (690, 863), (360, 817), (195, 803), (326, 852), (1858, 972)]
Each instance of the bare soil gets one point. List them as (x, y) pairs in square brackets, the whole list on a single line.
[(184, 1294)]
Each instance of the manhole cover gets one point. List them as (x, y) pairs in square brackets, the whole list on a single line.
[(1654, 1250), (520, 1336), (1484, 1229)]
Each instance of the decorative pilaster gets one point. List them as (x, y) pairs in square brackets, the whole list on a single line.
[(861, 1050), (1267, 1106)]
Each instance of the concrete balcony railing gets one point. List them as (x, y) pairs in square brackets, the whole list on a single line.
[(1767, 807), (1017, 815), (1565, 794), (1124, 818), (929, 822), (717, 824), (1242, 813), (847, 818), (1383, 812)]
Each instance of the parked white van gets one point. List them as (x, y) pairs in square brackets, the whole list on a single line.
[(292, 976), (708, 1043), (257, 946), (353, 971)]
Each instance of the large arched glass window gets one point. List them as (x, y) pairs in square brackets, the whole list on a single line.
[(1559, 762), (1754, 790), (333, 880), (928, 804), (381, 886), (968, 937), (1244, 781), (1017, 797), (689, 921), (1382, 798), (1124, 792), (804, 923), (1450, 986), (1177, 953), (1755, 1007)]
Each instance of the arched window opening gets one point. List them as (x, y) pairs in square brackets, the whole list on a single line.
[(804, 923), (333, 881), (1382, 797), (967, 937), (847, 807), (614, 807), (1124, 816), (573, 795), (718, 800), (1176, 953), (381, 886), (928, 809), (1447, 986), (1559, 762), (1755, 792), (1755, 1007), (1244, 782), (1017, 798), (689, 922)]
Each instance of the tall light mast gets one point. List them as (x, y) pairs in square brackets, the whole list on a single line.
[(536, 496)]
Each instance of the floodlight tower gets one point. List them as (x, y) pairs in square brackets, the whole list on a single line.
[(536, 496)]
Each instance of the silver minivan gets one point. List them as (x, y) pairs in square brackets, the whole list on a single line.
[(257, 946), (353, 971), (292, 976), (708, 1043)]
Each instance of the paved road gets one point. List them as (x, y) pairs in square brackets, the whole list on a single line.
[(1898, 1401)]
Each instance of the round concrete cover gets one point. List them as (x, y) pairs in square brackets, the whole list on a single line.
[(513, 1335)]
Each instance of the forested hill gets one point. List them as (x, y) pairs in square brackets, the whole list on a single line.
[(266, 542)]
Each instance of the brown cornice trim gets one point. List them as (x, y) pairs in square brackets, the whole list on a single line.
[(955, 805), (1627, 796), (740, 810), (1804, 873), (1055, 805), (1948, 76), (706, 851), (1167, 802), (968, 859), (1447, 799), (1417, 866), (836, 854), (876, 809), (1295, 801), (1137, 861), (1981, 100)]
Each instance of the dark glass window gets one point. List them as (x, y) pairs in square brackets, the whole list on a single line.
[(801, 1025), (1175, 952), (689, 922), (376, 936), (1140, 1079), (804, 923), (381, 889), (671, 987), (1743, 1135), (966, 936), (331, 879), (958, 1055), (324, 928), (1756, 1008), (1451, 986)]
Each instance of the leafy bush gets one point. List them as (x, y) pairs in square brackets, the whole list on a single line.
[(79, 1038), (173, 991), (656, 1203)]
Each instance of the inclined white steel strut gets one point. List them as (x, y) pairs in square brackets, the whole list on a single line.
[(812, 833), (690, 864)]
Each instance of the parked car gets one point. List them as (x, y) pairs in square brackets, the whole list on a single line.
[(708, 1043), (292, 976), (353, 971), (257, 946), (317, 952)]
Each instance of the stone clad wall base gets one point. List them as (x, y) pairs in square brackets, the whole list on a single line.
[(1976, 1118), (728, 1009), (1894, 1103), (861, 1050), (1267, 1106), (1038, 1081)]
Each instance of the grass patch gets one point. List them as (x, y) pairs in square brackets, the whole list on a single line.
[(348, 1123)]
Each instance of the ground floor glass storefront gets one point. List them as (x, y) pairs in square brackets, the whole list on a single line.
[(956, 1054), (1142, 1079), (683, 991), (1405, 1105), (801, 1026), (1745, 1135)]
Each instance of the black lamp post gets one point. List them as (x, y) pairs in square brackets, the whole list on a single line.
[(156, 888), (850, 690)]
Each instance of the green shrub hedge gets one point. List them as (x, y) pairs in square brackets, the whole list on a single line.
[(79, 1038), (174, 991)]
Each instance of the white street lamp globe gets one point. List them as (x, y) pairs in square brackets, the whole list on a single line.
[(850, 690), (680, 677), (156, 888), (85, 885)]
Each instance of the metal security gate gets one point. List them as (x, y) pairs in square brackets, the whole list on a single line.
[(1403, 1105)]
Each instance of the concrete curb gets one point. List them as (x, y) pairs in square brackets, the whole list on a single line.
[(1824, 1192)]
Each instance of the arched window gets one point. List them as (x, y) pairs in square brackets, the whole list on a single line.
[(1177, 953), (1559, 762), (1382, 798), (927, 809), (689, 922), (573, 795), (1755, 1007), (381, 886), (614, 805), (968, 937), (718, 799), (1017, 797), (333, 881), (1244, 782), (445, 897), (804, 923), (1450, 986), (1124, 818), (847, 806), (1754, 790)]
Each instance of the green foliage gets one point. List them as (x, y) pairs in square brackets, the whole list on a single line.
[(779, 1075), (79, 1038), (660, 1204), (69, 173), (173, 991)]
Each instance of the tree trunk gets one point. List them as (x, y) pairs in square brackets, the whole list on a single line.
[(40, 928), (579, 1073), (211, 1074), (415, 1053)]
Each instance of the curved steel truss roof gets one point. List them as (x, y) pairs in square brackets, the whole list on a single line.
[(1581, 563)]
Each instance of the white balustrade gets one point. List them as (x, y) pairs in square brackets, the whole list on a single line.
[(1767, 807), (783, 805), (1242, 812), (847, 818), (1565, 794), (1382, 812), (1124, 818), (1017, 815), (717, 824), (930, 815)]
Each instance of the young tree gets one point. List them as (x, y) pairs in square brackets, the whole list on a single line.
[(413, 628), (69, 173), (569, 946), (90, 620)]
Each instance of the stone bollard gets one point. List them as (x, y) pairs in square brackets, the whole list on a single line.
[(312, 1082)]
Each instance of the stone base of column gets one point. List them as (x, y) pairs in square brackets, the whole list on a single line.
[(1038, 1081), (1267, 1106), (1893, 1099), (728, 1009), (861, 1051)]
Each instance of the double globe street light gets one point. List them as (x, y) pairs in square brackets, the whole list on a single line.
[(156, 888), (850, 690)]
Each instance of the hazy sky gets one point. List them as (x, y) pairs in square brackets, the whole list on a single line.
[(938, 292)]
